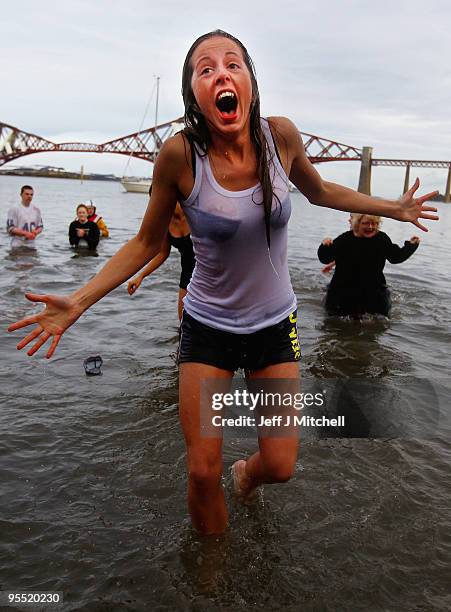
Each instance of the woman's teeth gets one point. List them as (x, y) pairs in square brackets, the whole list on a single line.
[(226, 102)]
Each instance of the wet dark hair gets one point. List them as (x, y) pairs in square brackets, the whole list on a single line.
[(81, 206), (196, 130), (24, 187)]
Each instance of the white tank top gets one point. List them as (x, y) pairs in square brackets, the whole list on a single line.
[(237, 286)]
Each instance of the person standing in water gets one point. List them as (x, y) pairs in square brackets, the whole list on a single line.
[(358, 286), (95, 218), (24, 221), (83, 230), (179, 237), (240, 309)]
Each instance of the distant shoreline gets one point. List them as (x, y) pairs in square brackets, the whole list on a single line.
[(60, 174), (63, 174)]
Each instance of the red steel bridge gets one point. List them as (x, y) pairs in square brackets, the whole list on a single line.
[(15, 143)]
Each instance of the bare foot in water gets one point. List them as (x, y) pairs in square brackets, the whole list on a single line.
[(241, 485)]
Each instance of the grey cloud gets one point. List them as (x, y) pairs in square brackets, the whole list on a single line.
[(356, 71)]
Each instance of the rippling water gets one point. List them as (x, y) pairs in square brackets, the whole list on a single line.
[(93, 482)]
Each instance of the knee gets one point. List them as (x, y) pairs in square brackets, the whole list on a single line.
[(205, 476)]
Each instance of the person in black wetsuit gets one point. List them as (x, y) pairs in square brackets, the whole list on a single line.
[(358, 285), (82, 229), (179, 237)]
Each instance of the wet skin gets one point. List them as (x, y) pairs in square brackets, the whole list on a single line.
[(27, 196), (218, 66), (82, 216), (367, 228)]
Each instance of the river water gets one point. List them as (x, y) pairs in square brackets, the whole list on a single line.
[(93, 483)]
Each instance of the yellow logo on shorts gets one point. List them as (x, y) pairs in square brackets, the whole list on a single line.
[(294, 337)]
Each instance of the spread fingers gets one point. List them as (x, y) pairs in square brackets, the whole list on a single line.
[(31, 336), (44, 337)]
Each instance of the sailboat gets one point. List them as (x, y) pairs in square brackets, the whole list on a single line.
[(141, 185), (136, 186)]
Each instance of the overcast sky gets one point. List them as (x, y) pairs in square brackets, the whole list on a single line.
[(374, 73)]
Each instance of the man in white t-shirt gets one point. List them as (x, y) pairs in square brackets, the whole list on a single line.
[(24, 221)]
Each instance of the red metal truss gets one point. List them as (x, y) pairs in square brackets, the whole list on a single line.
[(146, 144), (15, 143), (320, 149), (414, 163)]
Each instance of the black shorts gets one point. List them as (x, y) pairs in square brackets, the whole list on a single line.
[(201, 343), (185, 278)]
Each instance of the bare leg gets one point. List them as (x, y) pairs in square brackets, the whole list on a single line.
[(276, 459), (206, 500), (182, 293)]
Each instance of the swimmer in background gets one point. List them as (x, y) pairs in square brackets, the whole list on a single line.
[(95, 218), (178, 236), (24, 221), (358, 285), (83, 229)]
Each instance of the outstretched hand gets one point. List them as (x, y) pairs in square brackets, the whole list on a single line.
[(60, 313), (413, 209)]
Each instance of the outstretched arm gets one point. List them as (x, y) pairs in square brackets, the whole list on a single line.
[(62, 311), (397, 254), (153, 265), (324, 193), (326, 251)]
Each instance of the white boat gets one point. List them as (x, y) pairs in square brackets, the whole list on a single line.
[(136, 185)]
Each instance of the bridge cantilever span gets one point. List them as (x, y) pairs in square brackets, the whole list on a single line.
[(146, 144), (320, 149)]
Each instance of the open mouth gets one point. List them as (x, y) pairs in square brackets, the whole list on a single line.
[(226, 103)]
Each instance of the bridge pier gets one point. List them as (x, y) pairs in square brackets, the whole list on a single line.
[(406, 179), (447, 197), (365, 171)]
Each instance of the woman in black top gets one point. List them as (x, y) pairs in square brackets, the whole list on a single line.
[(178, 236), (82, 229), (358, 285)]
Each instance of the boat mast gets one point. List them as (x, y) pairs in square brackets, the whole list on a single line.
[(156, 105), (142, 186)]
